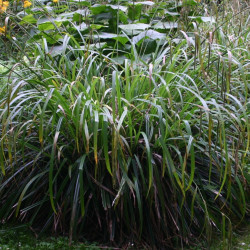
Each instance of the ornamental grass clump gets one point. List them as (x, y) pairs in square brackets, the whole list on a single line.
[(152, 150)]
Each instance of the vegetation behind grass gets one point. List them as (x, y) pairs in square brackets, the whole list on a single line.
[(136, 135)]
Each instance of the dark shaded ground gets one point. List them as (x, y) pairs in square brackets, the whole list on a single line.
[(22, 238)]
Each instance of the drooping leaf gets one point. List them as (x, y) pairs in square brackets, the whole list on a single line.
[(94, 46), (51, 20), (118, 7), (104, 35), (203, 19), (149, 3), (154, 35), (166, 25), (134, 28), (57, 50), (169, 13)]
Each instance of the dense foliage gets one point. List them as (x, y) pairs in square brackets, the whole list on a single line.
[(125, 121)]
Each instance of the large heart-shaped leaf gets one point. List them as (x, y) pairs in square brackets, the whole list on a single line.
[(51, 20), (69, 15), (122, 39), (134, 11), (94, 46), (147, 46), (102, 16), (169, 13), (190, 2), (119, 59), (98, 8), (134, 29), (52, 37), (57, 50), (152, 34), (81, 2), (49, 26), (104, 35), (37, 10), (28, 19), (118, 7), (203, 19), (97, 26), (166, 25), (149, 3), (81, 27)]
